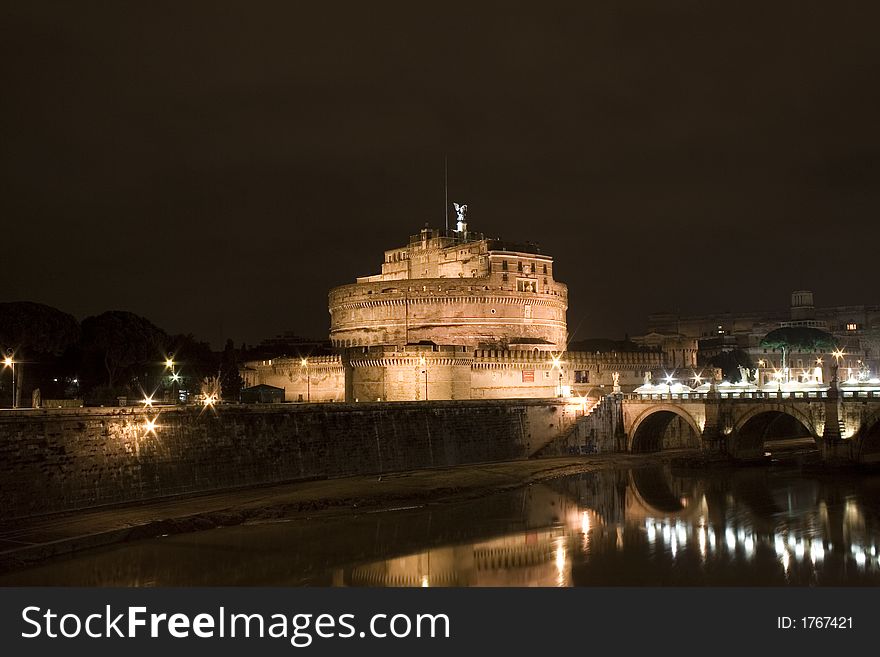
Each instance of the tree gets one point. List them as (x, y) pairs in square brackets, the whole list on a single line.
[(730, 362), (798, 338), (121, 341), (36, 328), (231, 382), (194, 359)]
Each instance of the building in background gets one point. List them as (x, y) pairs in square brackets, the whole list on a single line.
[(855, 329)]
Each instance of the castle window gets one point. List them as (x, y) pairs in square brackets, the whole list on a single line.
[(525, 285), (582, 376), (504, 277), (504, 265), (545, 270), (519, 266)]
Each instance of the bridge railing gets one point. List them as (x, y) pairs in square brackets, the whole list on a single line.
[(861, 394), (806, 395)]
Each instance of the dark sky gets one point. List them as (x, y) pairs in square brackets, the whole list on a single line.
[(217, 166)]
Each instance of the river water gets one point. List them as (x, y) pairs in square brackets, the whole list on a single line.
[(648, 526)]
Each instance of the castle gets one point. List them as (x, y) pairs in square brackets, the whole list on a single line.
[(452, 315)]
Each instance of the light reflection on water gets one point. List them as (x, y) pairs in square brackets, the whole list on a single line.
[(637, 527)]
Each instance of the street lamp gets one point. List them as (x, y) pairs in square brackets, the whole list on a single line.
[(9, 362), (305, 363)]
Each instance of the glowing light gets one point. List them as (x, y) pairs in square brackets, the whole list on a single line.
[(150, 425), (7, 361), (762, 362), (860, 558), (304, 362), (730, 538), (818, 361), (175, 377), (425, 581), (422, 361), (585, 523), (669, 379), (210, 400), (838, 354), (779, 544), (147, 401), (169, 363), (749, 545)]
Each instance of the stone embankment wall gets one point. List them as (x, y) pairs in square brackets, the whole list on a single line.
[(63, 459), (600, 430)]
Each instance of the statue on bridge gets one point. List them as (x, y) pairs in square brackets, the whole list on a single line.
[(647, 381)]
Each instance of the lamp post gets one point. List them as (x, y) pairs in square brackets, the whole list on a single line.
[(9, 362), (423, 362), (838, 354), (305, 363), (556, 362), (169, 365)]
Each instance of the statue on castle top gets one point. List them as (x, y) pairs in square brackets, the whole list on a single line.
[(461, 211)]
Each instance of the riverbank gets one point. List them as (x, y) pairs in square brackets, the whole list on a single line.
[(31, 541)]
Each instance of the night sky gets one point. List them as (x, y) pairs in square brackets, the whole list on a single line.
[(217, 166)]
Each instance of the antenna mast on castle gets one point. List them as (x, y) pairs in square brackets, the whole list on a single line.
[(446, 192)]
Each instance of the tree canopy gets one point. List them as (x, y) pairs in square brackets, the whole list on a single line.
[(35, 327), (122, 340), (799, 338), (730, 362)]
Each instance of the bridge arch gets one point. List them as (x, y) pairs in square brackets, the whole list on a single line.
[(869, 440), (663, 426), (759, 425)]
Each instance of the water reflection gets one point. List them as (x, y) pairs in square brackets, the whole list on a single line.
[(646, 526)]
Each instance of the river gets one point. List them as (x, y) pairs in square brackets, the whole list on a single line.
[(645, 526)]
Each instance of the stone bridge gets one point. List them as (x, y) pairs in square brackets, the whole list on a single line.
[(845, 425)]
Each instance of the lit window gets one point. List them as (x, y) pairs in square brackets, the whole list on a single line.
[(852, 326)]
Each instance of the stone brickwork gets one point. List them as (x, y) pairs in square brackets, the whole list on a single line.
[(62, 459), (315, 379)]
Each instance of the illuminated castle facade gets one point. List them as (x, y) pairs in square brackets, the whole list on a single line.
[(452, 315)]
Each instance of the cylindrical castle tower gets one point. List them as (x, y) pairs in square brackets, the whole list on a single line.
[(480, 294), (437, 300)]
